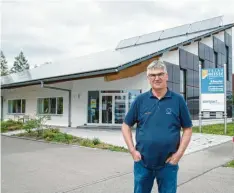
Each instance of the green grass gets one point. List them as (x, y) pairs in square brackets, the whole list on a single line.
[(54, 135), (230, 164), (11, 125), (217, 129)]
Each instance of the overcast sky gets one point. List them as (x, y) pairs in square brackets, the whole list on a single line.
[(47, 30)]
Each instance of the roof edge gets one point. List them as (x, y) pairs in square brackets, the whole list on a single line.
[(112, 70)]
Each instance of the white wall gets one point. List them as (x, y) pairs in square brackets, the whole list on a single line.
[(81, 88), (31, 94), (172, 57), (192, 48), (220, 36), (208, 41), (229, 31)]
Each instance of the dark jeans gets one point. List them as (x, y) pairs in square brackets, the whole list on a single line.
[(166, 178)]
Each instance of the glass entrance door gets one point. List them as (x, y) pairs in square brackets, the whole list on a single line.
[(107, 112), (119, 108), (113, 108)]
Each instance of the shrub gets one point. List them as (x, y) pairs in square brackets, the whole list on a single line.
[(48, 134), (11, 125), (87, 142), (29, 125), (96, 141)]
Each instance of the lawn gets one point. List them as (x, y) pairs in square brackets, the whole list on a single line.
[(54, 135), (217, 129)]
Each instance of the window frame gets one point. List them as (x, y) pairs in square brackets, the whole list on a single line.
[(49, 104), (21, 113)]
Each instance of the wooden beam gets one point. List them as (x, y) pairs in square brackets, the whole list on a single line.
[(131, 71)]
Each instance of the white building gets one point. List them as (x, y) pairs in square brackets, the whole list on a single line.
[(98, 89)]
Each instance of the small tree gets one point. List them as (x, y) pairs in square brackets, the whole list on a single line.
[(20, 63), (4, 67)]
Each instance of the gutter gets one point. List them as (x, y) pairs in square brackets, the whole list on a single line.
[(69, 99)]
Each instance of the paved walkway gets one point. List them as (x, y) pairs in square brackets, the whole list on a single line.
[(36, 167), (198, 142)]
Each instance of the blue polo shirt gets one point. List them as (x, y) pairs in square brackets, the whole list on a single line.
[(159, 123)]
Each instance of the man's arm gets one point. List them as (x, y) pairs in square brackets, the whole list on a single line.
[(186, 137), (127, 134), (185, 140)]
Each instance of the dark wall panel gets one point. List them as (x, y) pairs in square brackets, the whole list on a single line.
[(230, 52), (207, 53), (182, 58), (195, 63), (169, 71), (206, 64), (201, 50), (169, 85), (189, 60), (195, 103), (211, 55), (176, 74), (176, 88), (219, 58), (189, 92), (196, 78), (215, 44), (189, 77)]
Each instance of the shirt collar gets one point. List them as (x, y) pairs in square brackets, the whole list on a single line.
[(168, 93)]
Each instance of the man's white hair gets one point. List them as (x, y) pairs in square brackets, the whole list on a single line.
[(156, 64)]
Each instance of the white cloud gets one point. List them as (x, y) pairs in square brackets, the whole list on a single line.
[(49, 30)]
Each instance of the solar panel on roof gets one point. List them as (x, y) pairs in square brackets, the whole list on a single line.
[(127, 42), (205, 24), (181, 30), (149, 37)]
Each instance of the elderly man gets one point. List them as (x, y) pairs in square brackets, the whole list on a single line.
[(160, 114)]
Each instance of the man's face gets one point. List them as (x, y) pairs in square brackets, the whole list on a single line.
[(158, 79)]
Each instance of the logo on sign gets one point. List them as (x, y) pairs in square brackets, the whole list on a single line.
[(204, 74)]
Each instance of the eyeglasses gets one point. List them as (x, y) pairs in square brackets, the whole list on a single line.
[(159, 75)]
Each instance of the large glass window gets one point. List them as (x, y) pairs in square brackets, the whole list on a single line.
[(93, 107), (132, 94), (16, 106), (52, 106)]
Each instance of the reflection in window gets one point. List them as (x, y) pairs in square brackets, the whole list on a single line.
[(16, 106), (93, 106), (183, 83), (50, 105), (201, 62), (132, 94)]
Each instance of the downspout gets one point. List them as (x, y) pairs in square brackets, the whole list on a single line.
[(69, 99)]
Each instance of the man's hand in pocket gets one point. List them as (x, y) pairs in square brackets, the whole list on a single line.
[(136, 155)]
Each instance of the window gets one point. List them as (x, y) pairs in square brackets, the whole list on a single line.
[(16, 106), (183, 83), (93, 106), (52, 106), (201, 62), (216, 59)]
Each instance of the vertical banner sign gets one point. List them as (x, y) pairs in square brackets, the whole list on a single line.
[(212, 89)]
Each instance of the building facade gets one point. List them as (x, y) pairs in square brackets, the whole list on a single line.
[(104, 99)]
